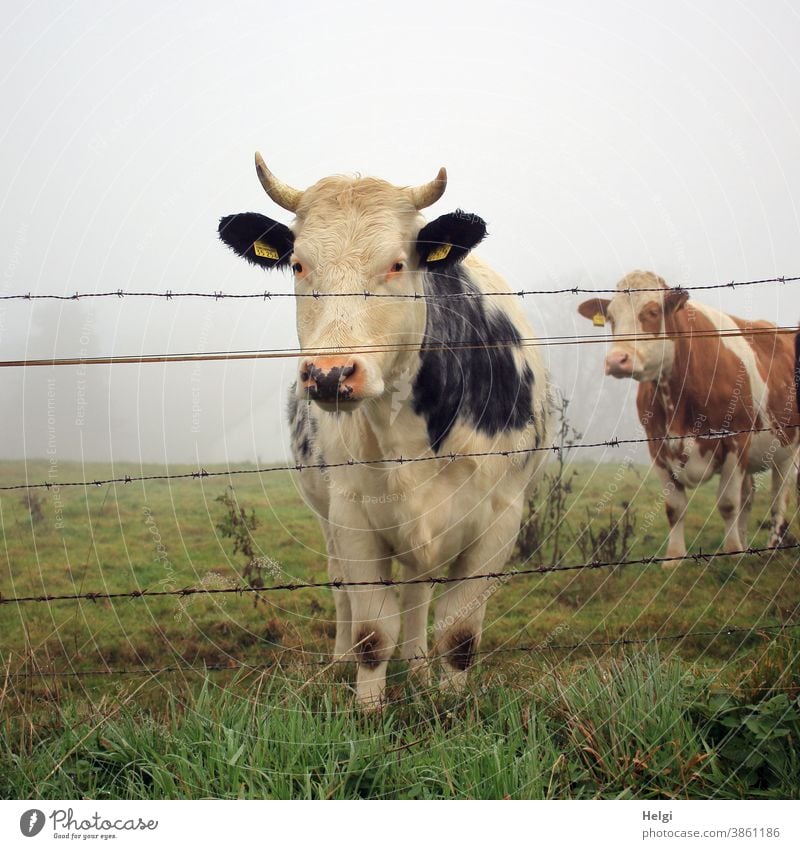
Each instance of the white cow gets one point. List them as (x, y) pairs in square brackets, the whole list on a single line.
[(429, 376)]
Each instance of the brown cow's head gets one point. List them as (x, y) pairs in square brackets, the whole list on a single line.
[(638, 314), (351, 236)]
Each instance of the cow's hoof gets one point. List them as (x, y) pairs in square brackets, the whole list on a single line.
[(419, 672), (453, 680), (371, 703)]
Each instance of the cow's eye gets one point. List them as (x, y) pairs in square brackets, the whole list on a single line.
[(398, 266), (297, 268)]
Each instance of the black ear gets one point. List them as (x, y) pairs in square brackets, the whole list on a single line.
[(259, 239), (449, 238)]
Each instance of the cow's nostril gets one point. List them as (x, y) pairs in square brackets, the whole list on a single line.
[(347, 371), (304, 375)]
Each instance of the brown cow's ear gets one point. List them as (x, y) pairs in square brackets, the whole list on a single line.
[(674, 299), (595, 309)]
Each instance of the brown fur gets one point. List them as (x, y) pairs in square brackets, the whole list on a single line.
[(775, 358), (703, 383), (370, 648)]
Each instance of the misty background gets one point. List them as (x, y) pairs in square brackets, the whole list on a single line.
[(594, 138)]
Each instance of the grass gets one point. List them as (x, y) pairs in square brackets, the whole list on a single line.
[(627, 727), (555, 722)]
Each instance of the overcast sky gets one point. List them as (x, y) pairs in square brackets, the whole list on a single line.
[(594, 137)]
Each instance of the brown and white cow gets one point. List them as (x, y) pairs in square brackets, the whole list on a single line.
[(693, 381), (439, 371)]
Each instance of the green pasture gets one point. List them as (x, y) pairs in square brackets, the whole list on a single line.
[(560, 719)]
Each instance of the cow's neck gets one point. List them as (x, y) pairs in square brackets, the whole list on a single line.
[(677, 396), (395, 426)]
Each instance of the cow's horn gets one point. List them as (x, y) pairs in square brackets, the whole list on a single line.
[(283, 195), (429, 193)]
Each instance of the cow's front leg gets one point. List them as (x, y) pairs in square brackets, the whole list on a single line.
[(343, 645), (416, 600), (729, 499), (748, 494), (675, 502), (783, 473), (361, 555), (460, 609)]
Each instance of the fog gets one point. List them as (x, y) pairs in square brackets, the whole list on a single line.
[(594, 138)]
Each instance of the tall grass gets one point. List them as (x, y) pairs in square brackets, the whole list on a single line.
[(637, 726)]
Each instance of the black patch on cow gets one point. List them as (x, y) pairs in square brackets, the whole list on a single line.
[(465, 372), (463, 645), (303, 424), (370, 648), (456, 233), (241, 232)]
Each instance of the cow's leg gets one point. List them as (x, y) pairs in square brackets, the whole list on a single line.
[(783, 472), (748, 494), (460, 609), (361, 555), (675, 502), (729, 499), (416, 600), (375, 628), (343, 645)]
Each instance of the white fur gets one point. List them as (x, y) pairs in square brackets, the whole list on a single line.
[(462, 514)]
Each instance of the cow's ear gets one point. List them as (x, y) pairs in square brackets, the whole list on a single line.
[(674, 299), (259, 239), (448, 239), (596, 310)]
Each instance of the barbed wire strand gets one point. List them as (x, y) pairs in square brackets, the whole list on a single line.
[(698, 557), (268, 295), (328, 660), (296, 353), (448, 457)]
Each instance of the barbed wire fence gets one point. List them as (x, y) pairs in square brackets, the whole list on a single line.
[(312, 658), (697, 557), (446, 457), (268, 295), (318, 659)]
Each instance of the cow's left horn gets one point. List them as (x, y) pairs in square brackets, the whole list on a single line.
[(283, 195), (429, 193)]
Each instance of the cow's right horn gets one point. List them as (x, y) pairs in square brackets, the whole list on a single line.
[(283, 195), (429, 193)]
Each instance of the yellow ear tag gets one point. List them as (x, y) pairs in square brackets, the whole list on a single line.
[(599, 320), (265, 250), (439, 253)]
